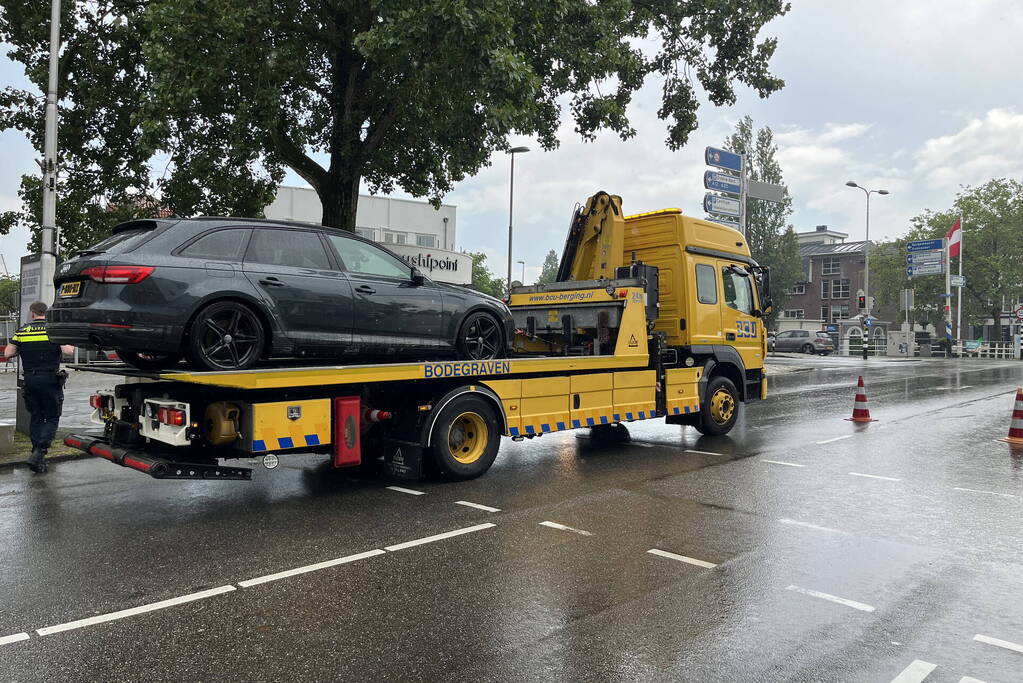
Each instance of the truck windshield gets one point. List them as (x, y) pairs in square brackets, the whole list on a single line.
[(738, 290)]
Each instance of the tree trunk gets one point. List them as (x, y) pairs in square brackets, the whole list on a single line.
[(996, 315), (340, 200)]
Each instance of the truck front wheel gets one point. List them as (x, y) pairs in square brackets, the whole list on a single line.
[(465, 438), (720, 407)]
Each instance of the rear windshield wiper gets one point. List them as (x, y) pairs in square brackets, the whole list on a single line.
[(89, 252)]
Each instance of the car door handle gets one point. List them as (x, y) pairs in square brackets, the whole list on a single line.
[(271, 282), (365, 289)]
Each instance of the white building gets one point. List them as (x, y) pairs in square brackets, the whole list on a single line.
[(416, 231)]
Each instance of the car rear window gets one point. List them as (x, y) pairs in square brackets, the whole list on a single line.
[(123, 241)]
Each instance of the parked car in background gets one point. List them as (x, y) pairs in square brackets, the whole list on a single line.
[(803, 341), (227, 292)]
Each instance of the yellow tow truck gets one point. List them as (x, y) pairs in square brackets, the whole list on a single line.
[(652, 315)]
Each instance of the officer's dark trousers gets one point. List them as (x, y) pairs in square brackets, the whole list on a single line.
[(44, 399)]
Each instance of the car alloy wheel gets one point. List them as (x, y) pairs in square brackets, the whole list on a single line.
[(481, 338), (227, 336)]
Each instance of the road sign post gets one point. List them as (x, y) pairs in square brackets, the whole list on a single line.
[(740, 185)]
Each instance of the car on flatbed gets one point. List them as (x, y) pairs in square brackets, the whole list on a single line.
[(226, 293)]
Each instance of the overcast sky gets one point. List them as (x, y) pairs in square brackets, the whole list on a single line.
[(917, 97)]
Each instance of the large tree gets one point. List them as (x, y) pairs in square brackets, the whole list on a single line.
[(386, 92), (549, 272), (771, 238), (992, 256)]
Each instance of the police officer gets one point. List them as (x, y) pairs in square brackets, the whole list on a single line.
[(44, 383)]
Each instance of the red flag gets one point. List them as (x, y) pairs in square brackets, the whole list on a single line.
[(954, 237)]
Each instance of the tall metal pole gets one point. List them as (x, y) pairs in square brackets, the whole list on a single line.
[(866, 281), (743, 188), (959, 301), (511, 204), (948, 299), (48, 257)]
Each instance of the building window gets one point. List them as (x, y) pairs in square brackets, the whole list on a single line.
[(831, 266), (839, 312), (825, 312), (394, 238), (839, 289), (426, 241), (368, 233), (792, 313), (798, 289), (825, 289)]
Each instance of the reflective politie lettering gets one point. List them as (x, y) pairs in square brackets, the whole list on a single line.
[(466, 368)]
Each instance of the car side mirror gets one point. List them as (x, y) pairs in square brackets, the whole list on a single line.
[(418, 279)]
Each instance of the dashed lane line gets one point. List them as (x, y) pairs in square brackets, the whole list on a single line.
[(999, 643), (808, 525), (16, 638), (970, 679), (915, 672), (485, 508), (873, 476), (691, 450), (439, 537), (404, 490), (249, 583), (152, 607), (682, 558), (992, 493), (562, 527), (863, 607), (782, 462), (837, 438)]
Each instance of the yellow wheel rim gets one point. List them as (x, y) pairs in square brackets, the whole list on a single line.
[(722, 406), (467, 438)]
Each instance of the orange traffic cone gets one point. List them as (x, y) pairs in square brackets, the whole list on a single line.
[(860, 411), (1016, 426)]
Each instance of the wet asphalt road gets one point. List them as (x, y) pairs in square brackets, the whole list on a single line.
[(812, 550)]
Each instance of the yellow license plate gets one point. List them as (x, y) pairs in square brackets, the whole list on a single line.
[(70, 289)]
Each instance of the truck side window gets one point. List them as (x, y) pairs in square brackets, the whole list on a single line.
[(706, 284), (738, 290)]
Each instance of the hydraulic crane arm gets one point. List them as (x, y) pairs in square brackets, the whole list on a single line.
[(595, 245)]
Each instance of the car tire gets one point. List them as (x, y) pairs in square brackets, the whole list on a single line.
[(480, 337), (808, 349), (148, 362), (226, 335), (465, 438), (720, 407)]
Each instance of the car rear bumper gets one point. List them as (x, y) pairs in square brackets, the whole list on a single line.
[(162, 339)]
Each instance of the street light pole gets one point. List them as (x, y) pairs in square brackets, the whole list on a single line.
[(523, 278), (866, 264), (48, 255), (511, 203)]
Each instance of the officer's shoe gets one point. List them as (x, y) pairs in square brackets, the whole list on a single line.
[(37, 462)]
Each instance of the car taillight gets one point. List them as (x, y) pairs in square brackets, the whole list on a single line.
[(96, 401), (118, 275), (170, 416)]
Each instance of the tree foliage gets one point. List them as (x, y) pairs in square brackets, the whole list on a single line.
[(10, 292), (992, 249), (482, 279), (549, 272), (224, 95), (771, 238)]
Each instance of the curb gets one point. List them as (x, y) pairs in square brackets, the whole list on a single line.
[(10, 464)]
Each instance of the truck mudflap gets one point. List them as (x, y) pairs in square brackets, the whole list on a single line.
[(158, 468)]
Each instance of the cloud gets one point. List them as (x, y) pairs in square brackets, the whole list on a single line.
[(987, 147)]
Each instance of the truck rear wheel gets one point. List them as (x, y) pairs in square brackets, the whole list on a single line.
[(465, 438), (720, 407)]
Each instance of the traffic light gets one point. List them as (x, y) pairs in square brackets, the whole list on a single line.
[(861, 302)]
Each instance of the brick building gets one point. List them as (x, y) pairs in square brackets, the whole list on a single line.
[(832, 275)]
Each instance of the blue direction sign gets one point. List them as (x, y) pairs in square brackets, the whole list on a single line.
[(722, 182), (726, 206), (924, 257), (927, 269), (724, 159), (731, 224), (926, 245)]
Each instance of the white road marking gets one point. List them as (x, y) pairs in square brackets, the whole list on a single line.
[(487, 508), (152, 607), (832, 598), (249, 583), (555, 525), (970, 679), (794, 522), (408, 491), (690, 450), (1000, 643), (438, 537), (782, 462), (874, 476), (993, 493), (966, 386), (915, 672), (682, 558), (837, 438), (16, 638)]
